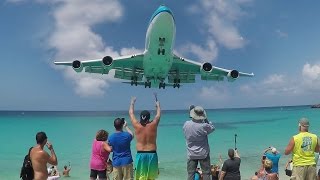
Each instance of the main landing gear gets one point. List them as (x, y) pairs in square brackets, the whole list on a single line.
[(147, 84), (162, 85), (176, 83), (134, 81)]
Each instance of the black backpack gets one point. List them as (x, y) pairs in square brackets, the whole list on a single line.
[(27, 169)]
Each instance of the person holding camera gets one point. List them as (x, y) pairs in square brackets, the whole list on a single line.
[(120, 142), (231, 167), (196, 133), (274, 156), (39, 157)]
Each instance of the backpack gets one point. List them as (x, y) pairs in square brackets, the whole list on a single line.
[(27, 169)]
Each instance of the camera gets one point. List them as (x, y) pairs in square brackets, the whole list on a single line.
[(122, 121)]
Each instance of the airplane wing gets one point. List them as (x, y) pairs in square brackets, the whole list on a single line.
[(185, 70), (126, 67)]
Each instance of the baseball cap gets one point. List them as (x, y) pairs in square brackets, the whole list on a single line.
[(304, 122), (144, 116)]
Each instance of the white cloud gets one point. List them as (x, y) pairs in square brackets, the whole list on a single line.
[(274, 80), (311, 76), (73, 38), (214, 94), (207, 53), (128, 51), (281, 85), (221, 18), (311, 72)]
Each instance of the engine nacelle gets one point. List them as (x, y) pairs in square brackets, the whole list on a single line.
[(77, 66), (107, 61), (207, 67), (233, 75)]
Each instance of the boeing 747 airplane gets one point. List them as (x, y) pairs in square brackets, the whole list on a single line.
[(157, 66)]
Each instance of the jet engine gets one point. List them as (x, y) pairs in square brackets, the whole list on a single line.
[(107, 61), (77, 66), (207, 67), (233, 75)]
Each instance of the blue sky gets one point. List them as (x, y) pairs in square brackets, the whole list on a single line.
[(279, 41)]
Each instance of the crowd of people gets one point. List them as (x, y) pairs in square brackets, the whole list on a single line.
[(196, 130)]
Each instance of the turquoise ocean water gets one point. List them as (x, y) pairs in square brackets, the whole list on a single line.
[(71, 134)]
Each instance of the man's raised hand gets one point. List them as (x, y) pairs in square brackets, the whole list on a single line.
[(133, 100)]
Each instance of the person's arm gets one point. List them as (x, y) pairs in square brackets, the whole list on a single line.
[(236, 153), (53, 160), (131, 112), (107, 147), (125, 125), (158, 115), (317, 149), (69, 167), (266, 150), (290, 147), (222, 174), (220, 159), (208, 128)]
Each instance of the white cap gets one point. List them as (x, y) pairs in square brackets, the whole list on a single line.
[(273, 150)]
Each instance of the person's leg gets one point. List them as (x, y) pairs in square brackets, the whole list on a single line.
[(298, 173), (205, 167), (116, 173), (153, 170), (191, 168), (311, 173), (102, 175), (93, 174), (128, 172)]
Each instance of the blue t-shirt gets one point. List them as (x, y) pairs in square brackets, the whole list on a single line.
[(120, 142), (275, 160)]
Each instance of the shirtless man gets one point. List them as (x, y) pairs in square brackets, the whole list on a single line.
[(66, 170), (39, 157), (146, 132)]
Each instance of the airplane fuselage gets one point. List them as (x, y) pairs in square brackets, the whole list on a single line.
[(160, 38)]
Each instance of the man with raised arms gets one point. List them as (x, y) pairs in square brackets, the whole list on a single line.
[(146, 164), (39, 157)]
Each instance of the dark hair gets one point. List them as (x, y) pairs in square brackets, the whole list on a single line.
[(118, 123), (231, 153), (102, 135), (65, 167), (144, 117), (41, 137), (256, 173)]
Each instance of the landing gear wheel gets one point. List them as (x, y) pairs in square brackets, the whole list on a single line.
[(178, 86), (162, 85), (159, 51), (163, 51)]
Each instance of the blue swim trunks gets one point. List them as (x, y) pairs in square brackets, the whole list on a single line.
[(146, 165)]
